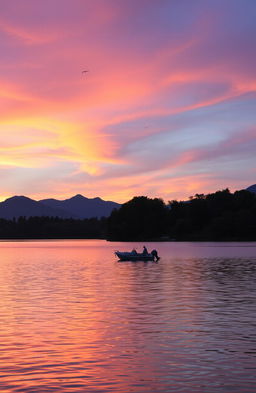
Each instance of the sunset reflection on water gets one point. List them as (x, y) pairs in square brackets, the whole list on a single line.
[(74, 319)]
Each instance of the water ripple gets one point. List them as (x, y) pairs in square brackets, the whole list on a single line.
[(75, 320)]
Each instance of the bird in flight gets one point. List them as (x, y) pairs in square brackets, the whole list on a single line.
[(85, 71)]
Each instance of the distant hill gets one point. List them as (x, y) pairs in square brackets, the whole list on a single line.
[(252, 188), (82, 207), (22, 206), (75, 207)]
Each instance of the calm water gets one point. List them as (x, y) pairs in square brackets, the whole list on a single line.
[(74, 319)]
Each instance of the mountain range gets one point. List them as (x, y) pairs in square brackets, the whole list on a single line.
[(77, 207)]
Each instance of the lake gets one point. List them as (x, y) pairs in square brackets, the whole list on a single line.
[(75, 319)]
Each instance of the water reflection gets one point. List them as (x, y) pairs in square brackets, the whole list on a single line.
[(74, 319)]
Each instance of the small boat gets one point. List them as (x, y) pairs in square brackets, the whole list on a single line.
[(135, 256)]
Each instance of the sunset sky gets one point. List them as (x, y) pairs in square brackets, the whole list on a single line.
[(167, 108)]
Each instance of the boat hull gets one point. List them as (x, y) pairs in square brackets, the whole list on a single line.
[(129, 256)]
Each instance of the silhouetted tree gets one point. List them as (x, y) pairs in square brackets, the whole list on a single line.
[(52, 227), (217, 216), (140, 218)]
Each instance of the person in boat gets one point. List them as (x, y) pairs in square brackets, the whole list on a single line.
[(145, 251), (155, 255), (134, 252)]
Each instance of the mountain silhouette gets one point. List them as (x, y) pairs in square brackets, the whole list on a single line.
[(22, 206), (82, 207), (75, 207), (252, 188)]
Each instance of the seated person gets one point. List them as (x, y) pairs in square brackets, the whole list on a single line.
[(155, 255), (145, 251)]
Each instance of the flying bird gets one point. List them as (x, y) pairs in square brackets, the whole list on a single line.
[(84, 72)]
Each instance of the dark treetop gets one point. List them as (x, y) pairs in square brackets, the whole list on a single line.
[(217, 216)]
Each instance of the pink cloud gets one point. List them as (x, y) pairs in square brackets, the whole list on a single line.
[(155, 73)]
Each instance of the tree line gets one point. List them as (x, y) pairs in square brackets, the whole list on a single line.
[(52, 227), (217, 216)]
